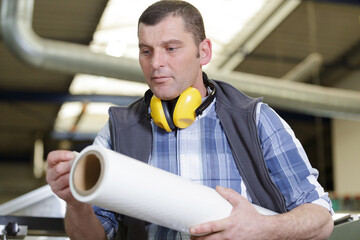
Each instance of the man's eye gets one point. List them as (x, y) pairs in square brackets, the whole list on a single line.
[(145, 52), (171, 49)]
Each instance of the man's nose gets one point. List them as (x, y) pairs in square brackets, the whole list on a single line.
[(157, 59)]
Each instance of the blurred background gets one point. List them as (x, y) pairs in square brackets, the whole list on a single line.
[(63, 63)]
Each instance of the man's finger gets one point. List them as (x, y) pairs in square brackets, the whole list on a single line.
[(60, 184), (209, 227), (58, 170), (230, 195), (55, 157)]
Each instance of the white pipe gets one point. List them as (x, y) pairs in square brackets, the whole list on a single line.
[(296, 96), (16, 19)]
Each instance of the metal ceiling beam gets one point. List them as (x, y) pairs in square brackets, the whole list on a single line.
[(255, 32), (59, 98), (16, 19), (74, 136), (306, 69), (356, 2)]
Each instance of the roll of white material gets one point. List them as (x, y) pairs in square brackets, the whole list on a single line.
[(121, 184)]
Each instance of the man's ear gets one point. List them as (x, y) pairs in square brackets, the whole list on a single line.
[(205, 50)]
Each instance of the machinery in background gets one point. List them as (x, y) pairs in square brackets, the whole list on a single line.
[(34, 215)]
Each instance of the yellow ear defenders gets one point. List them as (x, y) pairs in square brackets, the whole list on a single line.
[(181, 112)]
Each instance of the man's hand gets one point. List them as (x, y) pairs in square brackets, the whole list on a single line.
[(307, 221), (80, 219), (244, 221), (58, 172)]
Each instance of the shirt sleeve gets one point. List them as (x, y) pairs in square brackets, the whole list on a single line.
[(108, 219), (287, 162), (103, 137)]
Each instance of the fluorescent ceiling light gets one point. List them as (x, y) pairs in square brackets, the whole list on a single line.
[(92, 120), (88, 84)]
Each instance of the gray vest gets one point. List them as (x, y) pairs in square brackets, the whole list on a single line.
[(130, 126)]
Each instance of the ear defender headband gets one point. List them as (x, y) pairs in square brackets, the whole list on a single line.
[(181, 112)]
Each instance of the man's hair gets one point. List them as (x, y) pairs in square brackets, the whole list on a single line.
[(191, 16)]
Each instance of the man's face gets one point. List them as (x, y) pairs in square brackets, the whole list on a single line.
[(169, 58)]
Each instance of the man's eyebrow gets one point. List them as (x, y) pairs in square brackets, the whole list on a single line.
[(164, 43), (141, 45), (172, 41)]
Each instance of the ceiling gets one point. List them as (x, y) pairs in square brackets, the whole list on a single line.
[(31, 97), (312, 42)]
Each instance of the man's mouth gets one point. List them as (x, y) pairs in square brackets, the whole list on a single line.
[(160, 79)]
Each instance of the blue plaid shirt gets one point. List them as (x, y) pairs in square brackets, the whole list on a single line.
[(201, 153)]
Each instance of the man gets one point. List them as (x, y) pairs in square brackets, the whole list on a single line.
[(235, 142)]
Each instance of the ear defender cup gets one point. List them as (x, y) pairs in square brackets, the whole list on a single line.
[(160, 114), (183, 113)]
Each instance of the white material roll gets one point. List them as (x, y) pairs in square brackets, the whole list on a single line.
[(121, 184)]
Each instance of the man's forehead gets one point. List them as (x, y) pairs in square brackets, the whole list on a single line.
[(170, 19), (167, 27)]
